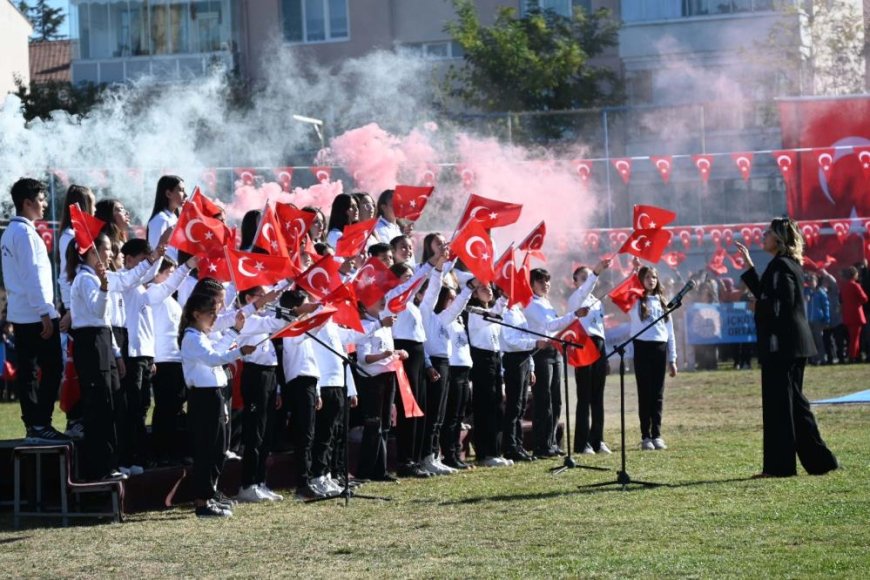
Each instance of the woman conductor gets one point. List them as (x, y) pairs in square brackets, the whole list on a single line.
[(784, 344)]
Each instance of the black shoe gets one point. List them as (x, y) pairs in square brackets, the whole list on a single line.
[(224, 501), (545, 453), (557, 450), (455, 463), (518, 456), (46, 436), (420, 473), (412, 470), (212, 510), (387, 478)]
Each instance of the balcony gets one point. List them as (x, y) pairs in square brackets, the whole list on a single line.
[(163, 68)]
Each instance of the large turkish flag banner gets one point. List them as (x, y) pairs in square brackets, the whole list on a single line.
[(841, 123)]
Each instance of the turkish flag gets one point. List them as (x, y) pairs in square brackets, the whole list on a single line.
[(249, 269), (473, 246), (534, 242), (354, 237), (196, 233), (623, 167), (269, 235), (398, 303), (321, 278), (647, 244), (409, 403), (787, 163), (467, 176), (308, 324), (513, 281), (344, 300), (744, 163), (247, 175), (205, 205), (717, 262), (409, 201), (322, 174), (373, 281), (295, 223), (825, 159), (627, 293), (85, 227), (209, 177), (663, 165), (650, 217), (579, 357), (284, 175), (862, 154), (214, 265), (674, 259), (583, 169), (704, 164), (489, 213)]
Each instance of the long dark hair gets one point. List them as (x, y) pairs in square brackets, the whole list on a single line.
[(195, 303), (446, 293), (105, 210), (249, 228), (427, 246), (161, 200), (338, 212), (385, 198), (74, 259), (657, 291), (76, 194), (318, 212)]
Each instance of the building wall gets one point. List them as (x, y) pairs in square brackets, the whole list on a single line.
[(13, 48)]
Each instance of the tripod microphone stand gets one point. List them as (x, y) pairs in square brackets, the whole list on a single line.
[(622, 477), (568, 462), (346, 364)]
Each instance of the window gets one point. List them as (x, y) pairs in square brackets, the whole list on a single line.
[(561, 7), (647, 10), (439, 50), (315, 20)]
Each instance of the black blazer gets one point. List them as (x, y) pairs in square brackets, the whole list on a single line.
[(780, 316)]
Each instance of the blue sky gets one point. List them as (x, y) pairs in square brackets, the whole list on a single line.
[(64, 30)]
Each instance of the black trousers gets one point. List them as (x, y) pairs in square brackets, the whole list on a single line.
[(302, 394), (486, 403), (789, 424), (136, 391), (259, 389), (376, 401), (436, 406), (650, 363), (590, 401), (75, 413), (207, 410), (37, 397), (326, 425), (458, 396), (168, 416), (517, 369), (410, 430), (98, 378), (547, 398)]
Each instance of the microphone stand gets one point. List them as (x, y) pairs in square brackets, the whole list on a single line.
[(568, 462), (346, 493), (622, 477)]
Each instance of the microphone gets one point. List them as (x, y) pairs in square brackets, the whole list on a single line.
[(483, 312), (678, 299)]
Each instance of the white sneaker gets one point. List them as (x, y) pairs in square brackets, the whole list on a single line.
[(492, 462), (320, 486), (269, 494), (588, 450), (251, 494), (434, 466), (659, 443), (230, 455), (603, 448), (333, 484), (647, 445), (445, 467), (507, 462)]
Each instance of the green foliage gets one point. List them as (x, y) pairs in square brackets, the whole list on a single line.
[(46, 20), (40, 100), (540, 62)]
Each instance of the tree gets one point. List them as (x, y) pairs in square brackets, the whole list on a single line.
[(819, 47), (538, 62), (40, 100), (46, 20)]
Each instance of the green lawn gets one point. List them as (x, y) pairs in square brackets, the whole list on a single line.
[(706, 520)]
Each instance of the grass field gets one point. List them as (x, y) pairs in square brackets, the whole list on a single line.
[(707, 519)]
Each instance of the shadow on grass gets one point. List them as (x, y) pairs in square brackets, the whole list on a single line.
[(594, 488)]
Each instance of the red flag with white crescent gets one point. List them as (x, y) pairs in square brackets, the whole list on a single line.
[(650, 217), (787, 162), (647, 244), (344, 300), (269, 236), (373, 280), (295, 223), (663, 165), (85, 227), (354, 237), (704, 164), (321, 278), (583, 169), (322, 174), (513, 281), (284, 175), (308, 324), (473, 246), (247, 175), (490, 213), (398, 303), (863, 155), (214, 265), (534, 242), (825, 158), (195, 232), (627, 293), (249, 269), (674, 259), (409, 201), (409, 403), (579, 357), (623, 168), (743, 161), (205, 205)]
